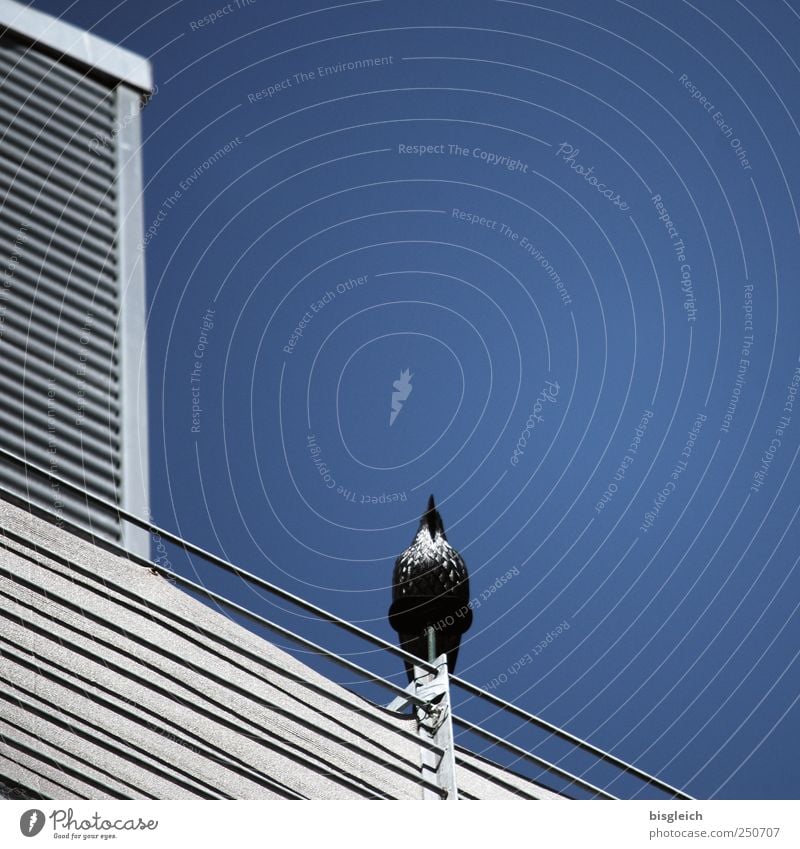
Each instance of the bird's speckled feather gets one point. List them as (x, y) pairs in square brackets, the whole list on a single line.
[(430, 588)]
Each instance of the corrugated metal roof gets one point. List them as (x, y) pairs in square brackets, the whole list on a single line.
[(118, 685)]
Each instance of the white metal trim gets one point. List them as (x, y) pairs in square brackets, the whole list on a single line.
[(89, 50), (132, 325)]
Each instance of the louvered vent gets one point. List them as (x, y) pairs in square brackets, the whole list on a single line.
[(60, 292)]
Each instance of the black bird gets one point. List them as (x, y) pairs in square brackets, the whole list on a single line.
[(430, 591)]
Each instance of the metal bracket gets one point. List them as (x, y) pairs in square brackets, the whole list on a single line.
[(436, 725), (400, 703)]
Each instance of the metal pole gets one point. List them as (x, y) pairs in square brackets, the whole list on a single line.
[(436, 726), (431, 633)]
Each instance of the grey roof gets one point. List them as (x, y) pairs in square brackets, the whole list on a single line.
[(91, 51), (115, 684)]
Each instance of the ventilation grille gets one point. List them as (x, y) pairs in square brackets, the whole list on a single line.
[(59, 296)]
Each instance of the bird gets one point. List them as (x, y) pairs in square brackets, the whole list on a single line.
[(430, 591)]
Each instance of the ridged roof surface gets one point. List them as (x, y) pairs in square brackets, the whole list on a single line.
[(116, 684)]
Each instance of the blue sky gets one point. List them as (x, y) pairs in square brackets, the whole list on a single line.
[(575, 225)]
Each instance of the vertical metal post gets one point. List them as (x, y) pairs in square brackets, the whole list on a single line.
[(135, 496), (431, 634), (436, 725)]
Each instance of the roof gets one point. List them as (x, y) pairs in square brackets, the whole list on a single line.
[(88, 51), (116, 684)]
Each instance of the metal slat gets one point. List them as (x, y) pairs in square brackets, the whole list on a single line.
[(72, 269), (38, 372), (65, 189), (27, 310), (58, 356), (75, 132), (72, 287), (104, 480), (87, 468), (93, 433), (71, 471), (39, 64), (31, 487), (471, 766), (30, 78), (27, 62), (48, 189), (41, 102), (55, 181), (65, 348), (68, 317), (52, 263), (61, 103), (49, 154), (89, 248), (102, 411), (65, 195), (41, 201), (55, 229)]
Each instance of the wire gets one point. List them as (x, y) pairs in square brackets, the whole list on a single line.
[(327, 616), (517, 750), (170, 729), (277, 742), (138, 606)]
